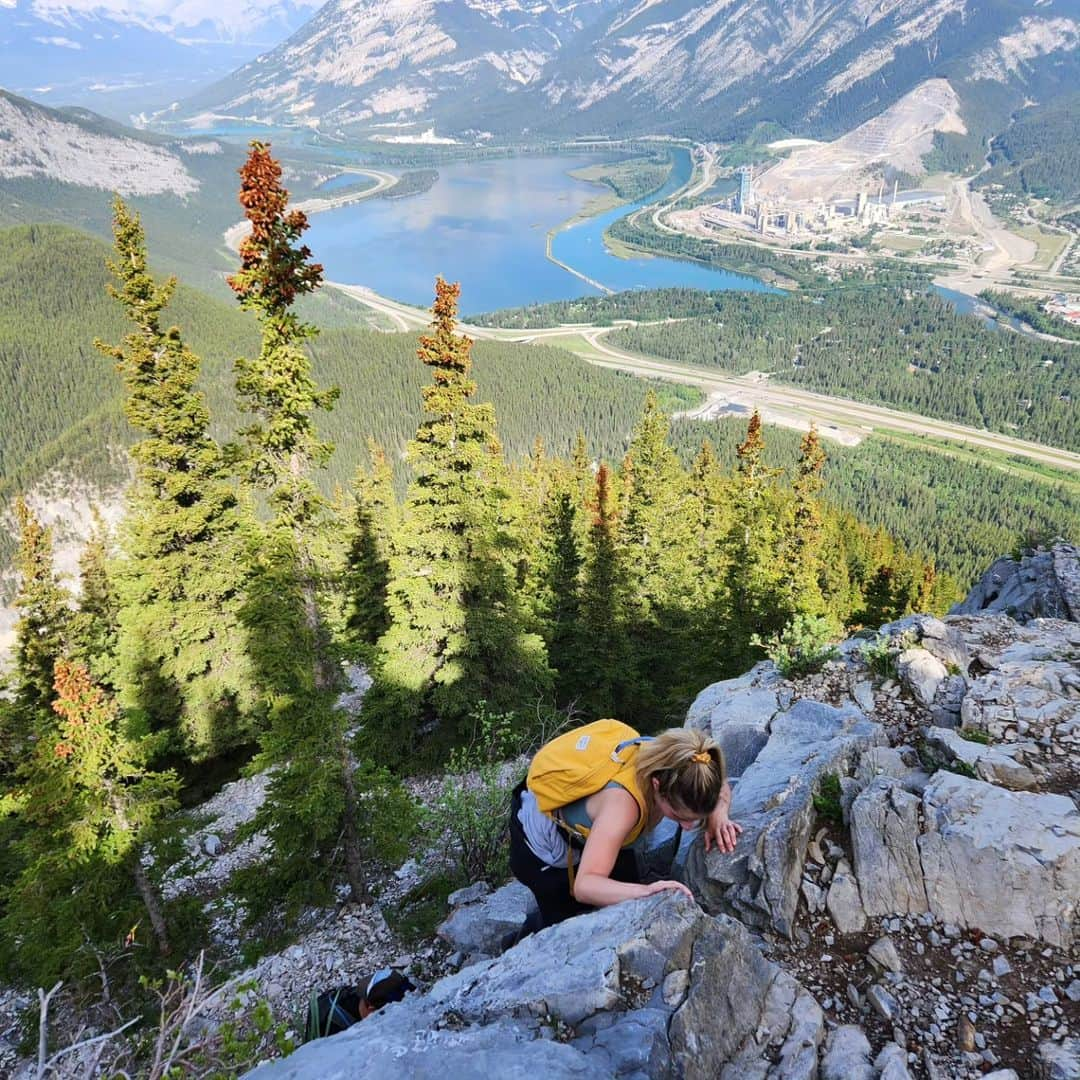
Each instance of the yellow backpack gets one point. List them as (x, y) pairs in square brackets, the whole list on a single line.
[(579, 763)]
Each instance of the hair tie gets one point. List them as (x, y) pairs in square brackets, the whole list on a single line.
[(703, 757)]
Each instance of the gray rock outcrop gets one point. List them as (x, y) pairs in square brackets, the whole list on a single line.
[(773, 801), (847, 1055), (922, 673), (738, 712), (1042, 585), (884, 841), (844, 902), (982, 856), (1006, 862), (1003, 764), (1059, 1061), (592, 997)]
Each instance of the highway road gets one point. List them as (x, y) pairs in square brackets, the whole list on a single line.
[(837, 418)]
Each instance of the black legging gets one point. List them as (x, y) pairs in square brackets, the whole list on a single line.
[(551, 884)]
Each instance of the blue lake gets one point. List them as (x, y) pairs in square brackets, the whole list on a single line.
[(485, 224)]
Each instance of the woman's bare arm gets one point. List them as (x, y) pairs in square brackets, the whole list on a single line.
[(616, 817)]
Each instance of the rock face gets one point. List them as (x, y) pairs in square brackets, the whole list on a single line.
[(738, 712), (773, 801), (1059, 1061), (1006, 862), (884, 840), (1043, 585), (922, 673), (650, 988)]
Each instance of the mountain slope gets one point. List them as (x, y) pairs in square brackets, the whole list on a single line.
[(713, 68), (125, 57)]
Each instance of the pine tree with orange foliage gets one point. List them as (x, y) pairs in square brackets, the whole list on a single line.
[(90, 802)]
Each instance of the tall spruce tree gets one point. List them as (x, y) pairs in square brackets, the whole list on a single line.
[(181, 650), (755, 571), (95, 623), (806, 530), (367, 572), (558, 591), (457, 635), (90, 801), (656, 535), (312, 810), (43, 628), (710, 494), (603, 672)]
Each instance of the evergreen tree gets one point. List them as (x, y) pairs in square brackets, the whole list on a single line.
[(367, 574), (181, 650), (42, 630), (754, 585), (559, 592), (457, 635), (656, 534), (603, 674), (90, 801), (710, 494), (806, 529), (95, 623), (313, 804)]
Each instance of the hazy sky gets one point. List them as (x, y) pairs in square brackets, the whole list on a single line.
[(231, 17)]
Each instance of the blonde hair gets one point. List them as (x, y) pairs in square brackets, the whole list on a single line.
[(689, 769)]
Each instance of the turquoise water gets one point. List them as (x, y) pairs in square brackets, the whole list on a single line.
[(344, 180), (485, 224), (968, 305), (582, 247)]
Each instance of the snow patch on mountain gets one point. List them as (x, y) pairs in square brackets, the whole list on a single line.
[(38, 143), (1036, 37), (521, 66)]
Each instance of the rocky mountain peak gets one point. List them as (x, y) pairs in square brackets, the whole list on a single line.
[(463, 66)]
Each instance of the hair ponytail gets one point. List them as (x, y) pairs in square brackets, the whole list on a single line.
[(689, 769)]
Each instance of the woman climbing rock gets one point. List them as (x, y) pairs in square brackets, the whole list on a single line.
[(591, 792)]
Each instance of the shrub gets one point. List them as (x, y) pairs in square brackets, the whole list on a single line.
[(881, 655), (468, 818), (804, 646), (827, 799)]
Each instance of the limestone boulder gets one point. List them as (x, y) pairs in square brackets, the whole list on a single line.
[(891, 1063), (773, 801), (884, 840), (922, 673), (482, 922), (737, 714), (651, 988), (1059, 1060), (1020, 699), (844, 902), (997, 764), (1006, 862), (847, 1055), (943, 641)]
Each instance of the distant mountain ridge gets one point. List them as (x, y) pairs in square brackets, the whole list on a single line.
[(629, 66), (125, 57)]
